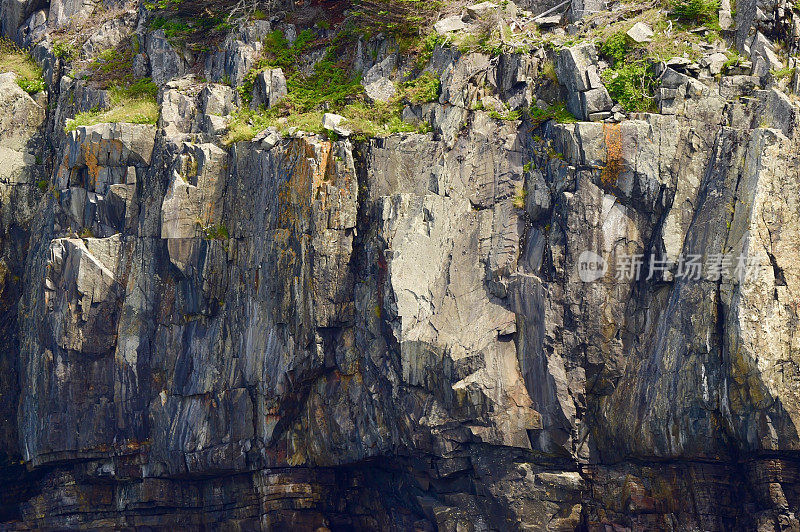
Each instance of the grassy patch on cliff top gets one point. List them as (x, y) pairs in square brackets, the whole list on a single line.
[(135, 104), (376, 119), (198, 25), (408, 21), (330, 86), (15, 59)]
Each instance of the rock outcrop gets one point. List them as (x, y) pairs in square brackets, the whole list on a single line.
[(505, 323)]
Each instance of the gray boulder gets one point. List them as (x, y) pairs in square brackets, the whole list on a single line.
[(449, 24), (270, 88)]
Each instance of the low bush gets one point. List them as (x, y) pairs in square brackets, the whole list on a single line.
[(557, 112), (695, 11), (616, 47), (423, 89), (632, 85)]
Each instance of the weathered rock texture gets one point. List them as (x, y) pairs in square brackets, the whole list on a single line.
[(393, 334)]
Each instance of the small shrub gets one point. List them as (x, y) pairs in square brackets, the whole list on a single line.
[(616, 47), (734, 59), (86, 232), (428, 46), (32, 86), (423, 89), (330, 82), (278, 53), (695, 11), (42, 184), (141, 88), (632, 85), (216, 232), (557, 112), (64, 50), (172, 28)]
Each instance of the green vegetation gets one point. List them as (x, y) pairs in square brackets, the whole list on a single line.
[(405, 20), (695, 11), (329, 82), (632, 85), (15, 59), (135, 104), (518, 201), (330, 87), (609, 29), (487, 40), (64, 50), (42, 184), (195, 25), (423, 89), (429, 44), (734, 60), (787, 72), (557, 112), (549, 71), (617, 46), (507, 114), (216, 232), (112, 60), (374, 120), (172, 28), (86, 232)]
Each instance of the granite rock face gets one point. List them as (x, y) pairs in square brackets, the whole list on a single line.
[(401, 333)]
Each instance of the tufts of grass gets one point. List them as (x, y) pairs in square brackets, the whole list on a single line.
[(378, 119), (734, 60), (557, 112), (135, 104), (518, 201), (549, 71), (783, 73), (15, 59), (507, 114), (429, 44)]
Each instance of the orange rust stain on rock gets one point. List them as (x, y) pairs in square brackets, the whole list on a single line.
[(613, 141), (92, 152)]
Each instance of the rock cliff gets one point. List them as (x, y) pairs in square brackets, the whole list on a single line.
[(316, 326)]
